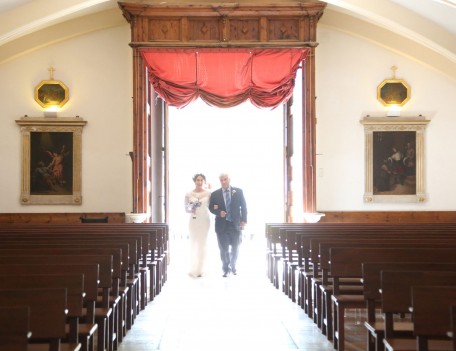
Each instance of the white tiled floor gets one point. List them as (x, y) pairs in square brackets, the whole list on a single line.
[(243, 312)]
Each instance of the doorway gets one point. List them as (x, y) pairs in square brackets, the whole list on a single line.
[(244, 142)]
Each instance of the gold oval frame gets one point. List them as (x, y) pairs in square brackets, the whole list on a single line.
[(51, 93), (393, 92)]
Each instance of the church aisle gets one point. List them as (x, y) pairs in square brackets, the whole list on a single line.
[(243, 312)]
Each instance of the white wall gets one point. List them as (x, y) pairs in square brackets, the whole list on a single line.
[(97, 69), (349, 70)]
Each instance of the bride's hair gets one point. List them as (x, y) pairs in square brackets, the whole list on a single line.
[(199, 175)]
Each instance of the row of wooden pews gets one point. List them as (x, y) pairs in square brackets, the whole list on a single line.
[(103, 275), (321, 267)]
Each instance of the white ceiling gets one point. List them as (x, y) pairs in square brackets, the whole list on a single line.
[(429, 23), (6, 5), (441, 12)]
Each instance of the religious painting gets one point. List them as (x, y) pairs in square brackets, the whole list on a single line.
[(393, 92), (51, 163), (51, 160), (394, 163), (51, 93), (394, 153)]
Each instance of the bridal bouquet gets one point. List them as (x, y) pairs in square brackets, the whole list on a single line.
[(192, 206)]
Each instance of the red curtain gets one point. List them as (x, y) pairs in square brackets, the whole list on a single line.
[(224, 77)]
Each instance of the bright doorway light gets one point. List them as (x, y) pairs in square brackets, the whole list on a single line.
[(243, 141)]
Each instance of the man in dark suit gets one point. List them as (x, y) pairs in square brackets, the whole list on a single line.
[(230, 210)]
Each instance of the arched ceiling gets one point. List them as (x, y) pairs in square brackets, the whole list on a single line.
[(421, 29)]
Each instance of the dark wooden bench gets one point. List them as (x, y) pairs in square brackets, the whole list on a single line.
[(103, 313), (431, 314), (347, 262), (351, 285), (127, 297), (277, 251), (47, 316), (371, 290), (396, 296), (320, 285), (154, 237), (155, 249), (14, 328), (376, 238), (452, 332), (110, 292), (128, 242), (276, 245), (74, 285), (87, 326), (138, 244)]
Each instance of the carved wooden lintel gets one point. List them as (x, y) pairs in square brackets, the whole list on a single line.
[(259, 25)]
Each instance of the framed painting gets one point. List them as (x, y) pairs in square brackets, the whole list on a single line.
[(394, 159), (393, 92), (51, 160), (51, 93)]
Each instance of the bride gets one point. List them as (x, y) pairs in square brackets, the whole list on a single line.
[(196, 203)]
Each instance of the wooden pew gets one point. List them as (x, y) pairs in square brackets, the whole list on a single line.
[(452, 332), (148, 243), (371, 290), (347, 262), (53, 233), (431, 320), (132, 254), (154, 252), (319, 247), (294, 266), (161, 246), (310, 284), (110, 292), (304, 231), (123, 298), (47, 315), (14, 328), (396, 298), (87, 326), (308, 230), (347, 285), (104, 313), (73, 283)]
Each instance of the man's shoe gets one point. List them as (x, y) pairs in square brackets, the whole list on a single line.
[(226, 274), (234, 272)]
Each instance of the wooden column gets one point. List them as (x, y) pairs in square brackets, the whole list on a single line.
[(140, 134), (308, 134)]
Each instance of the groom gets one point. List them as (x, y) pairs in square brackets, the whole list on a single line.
[(228, 205)]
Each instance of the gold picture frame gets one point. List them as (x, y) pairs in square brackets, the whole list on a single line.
[(394, 159), (51, 160), (393, 92), (51, 93)]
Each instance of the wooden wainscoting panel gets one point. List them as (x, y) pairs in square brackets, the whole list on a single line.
[(59, 218), (389, 216)]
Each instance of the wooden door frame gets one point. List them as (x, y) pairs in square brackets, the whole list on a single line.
[(230, 25)]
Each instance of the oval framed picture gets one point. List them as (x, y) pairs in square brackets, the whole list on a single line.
[(51, 93)]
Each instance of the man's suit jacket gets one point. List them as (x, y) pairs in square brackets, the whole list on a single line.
[(238, 208)]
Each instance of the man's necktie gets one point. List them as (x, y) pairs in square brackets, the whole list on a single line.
[(228, 204)]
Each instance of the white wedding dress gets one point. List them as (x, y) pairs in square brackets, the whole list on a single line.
[(198, 226)]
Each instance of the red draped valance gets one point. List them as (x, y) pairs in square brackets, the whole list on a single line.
[(224, 77)]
